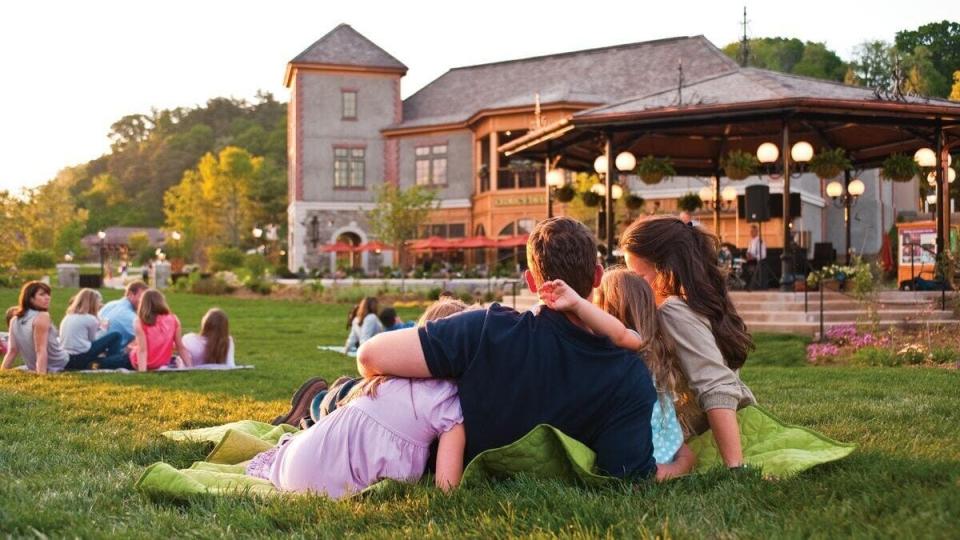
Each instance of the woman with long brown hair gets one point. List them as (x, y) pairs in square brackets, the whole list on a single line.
[(365, 324), (213, 346), (32, 333), (679, 261)]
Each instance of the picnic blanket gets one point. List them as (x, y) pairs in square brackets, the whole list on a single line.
[(166, 369), (778, 449)]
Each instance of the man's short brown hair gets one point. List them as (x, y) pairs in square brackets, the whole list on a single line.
[(563, 248), (136, 286)]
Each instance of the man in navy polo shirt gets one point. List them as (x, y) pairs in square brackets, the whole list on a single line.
[(516, 370)]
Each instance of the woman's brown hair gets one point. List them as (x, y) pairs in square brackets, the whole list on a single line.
[(368, 305), (27, 292), (629, 298), (152, 303), (685, 258), (215, 327)]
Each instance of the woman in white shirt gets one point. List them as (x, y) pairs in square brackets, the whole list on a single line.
[(78, 332), (212, 348), (365, 325)]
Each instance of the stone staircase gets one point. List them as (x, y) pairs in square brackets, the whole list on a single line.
[(780, 312)]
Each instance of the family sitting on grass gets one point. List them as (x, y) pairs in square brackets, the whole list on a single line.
[(136, 332), (652, 361)]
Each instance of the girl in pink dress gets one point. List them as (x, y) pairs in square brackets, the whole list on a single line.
[(382, 429)]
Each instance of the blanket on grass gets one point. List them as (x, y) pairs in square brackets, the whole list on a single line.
[(166, 369), (338, 349), (778, 449)]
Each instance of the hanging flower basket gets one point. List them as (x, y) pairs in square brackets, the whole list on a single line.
[(899, 168), (738, 165), (652, 169), (634, 202), (565, 193), (690, 202), (830, 163), (591, 199)]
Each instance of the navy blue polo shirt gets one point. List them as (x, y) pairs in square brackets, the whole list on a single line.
[(518, 370)]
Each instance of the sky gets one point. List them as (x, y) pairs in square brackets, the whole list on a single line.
[(69, 69)]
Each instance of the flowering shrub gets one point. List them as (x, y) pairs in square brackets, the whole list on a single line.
[(843, 339), (821, 352)]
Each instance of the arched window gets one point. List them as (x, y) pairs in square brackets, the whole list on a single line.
[(520, 226)]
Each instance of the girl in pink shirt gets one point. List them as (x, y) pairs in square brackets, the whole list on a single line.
[(157, 332)]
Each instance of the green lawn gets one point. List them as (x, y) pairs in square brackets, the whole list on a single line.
[(71, 447)]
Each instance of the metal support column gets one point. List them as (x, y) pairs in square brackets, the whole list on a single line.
[(847, 199), (608, 199), (786, 260)]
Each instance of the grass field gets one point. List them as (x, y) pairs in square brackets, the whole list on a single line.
[(72, 446)]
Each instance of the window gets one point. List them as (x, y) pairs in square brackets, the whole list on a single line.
[(349, 169), (431, 165), (520, 226), (444, 230), (348, 103)]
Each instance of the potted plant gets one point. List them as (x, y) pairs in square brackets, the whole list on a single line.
[(899, 168), (634, 202), (591, 199), (738, 164), (829, 164), (565, 193), (690, 202), (652, 169)]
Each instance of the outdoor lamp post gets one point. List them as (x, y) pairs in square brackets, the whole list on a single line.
[(624, 162), (846, 200), (101, 235), (257, 234), (555, 179), (926, 159), (801, 152), (708, 195)]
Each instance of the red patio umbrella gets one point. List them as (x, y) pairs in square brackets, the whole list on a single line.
[(431, 244), (374, 245), (339, 247), (475, 242), (519, 240)]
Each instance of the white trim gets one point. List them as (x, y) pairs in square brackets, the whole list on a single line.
[(302, 206)]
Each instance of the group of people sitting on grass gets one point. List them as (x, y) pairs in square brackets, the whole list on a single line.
[(366, 320), (651, 361), (136, 332)]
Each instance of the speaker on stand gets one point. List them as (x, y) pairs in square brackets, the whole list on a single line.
[(757, 210)]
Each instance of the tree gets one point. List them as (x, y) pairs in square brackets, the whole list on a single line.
[(942, 40), (872, 65), (790, 55), (955, 92), (921, 77), (399, 212)]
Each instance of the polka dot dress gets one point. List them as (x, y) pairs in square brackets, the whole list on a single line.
[(667, 433)]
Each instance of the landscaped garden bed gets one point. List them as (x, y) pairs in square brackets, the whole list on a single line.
[(847, 344)]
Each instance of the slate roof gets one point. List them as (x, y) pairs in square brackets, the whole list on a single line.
[(344, 46), (121, 236), (747, 85), (593, 77)]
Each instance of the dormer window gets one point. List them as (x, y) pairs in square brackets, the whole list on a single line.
[(348, 104)]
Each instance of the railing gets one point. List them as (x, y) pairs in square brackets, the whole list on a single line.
[(508, 178)]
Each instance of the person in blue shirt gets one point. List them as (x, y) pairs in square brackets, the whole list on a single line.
[(121, 313), (517, 370), (390, 321)]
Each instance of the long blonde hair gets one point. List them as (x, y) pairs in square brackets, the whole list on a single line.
[(85, 302), (440, 309), (629, 298), (216, 328)]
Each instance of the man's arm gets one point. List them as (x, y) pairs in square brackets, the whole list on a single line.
[(396, 353)]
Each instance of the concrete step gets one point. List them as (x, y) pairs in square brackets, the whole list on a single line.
[(812, 328)]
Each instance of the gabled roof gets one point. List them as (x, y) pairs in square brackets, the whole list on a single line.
[(747, 85), (590, 77), (345, 47)]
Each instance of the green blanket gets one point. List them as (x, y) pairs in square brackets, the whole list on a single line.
[(780, 450)]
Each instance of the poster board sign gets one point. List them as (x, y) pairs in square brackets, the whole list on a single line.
[(918, 246)]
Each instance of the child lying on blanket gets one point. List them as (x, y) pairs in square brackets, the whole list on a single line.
[(382, 429), (625, 312)]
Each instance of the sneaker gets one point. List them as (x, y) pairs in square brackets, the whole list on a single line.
[(300, 403)]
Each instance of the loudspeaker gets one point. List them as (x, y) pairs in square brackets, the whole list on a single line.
[(757, 203)]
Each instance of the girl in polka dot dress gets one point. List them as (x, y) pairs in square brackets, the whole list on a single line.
[(625, 311)]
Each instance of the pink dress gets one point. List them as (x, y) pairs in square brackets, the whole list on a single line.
[(366, 440)]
